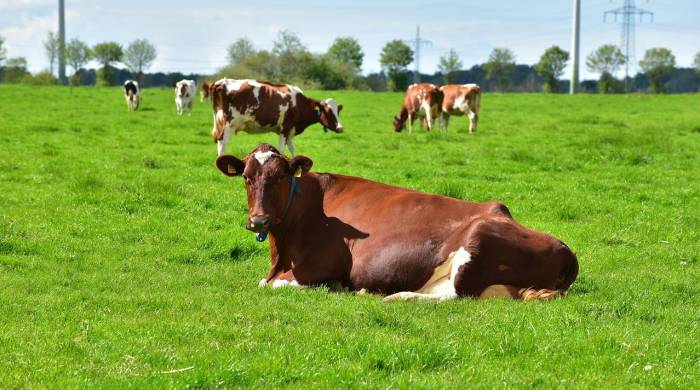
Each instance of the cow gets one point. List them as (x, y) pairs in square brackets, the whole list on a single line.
[(132, 94), (421, 100), (365, 236), (461, 99), (185, 91), (260, 107), (204, 91)]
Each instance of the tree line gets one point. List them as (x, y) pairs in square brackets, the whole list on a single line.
[(340, 67)]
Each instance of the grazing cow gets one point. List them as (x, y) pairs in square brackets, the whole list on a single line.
[(461, 99), (184, 95), (204, 91), (132, 94), (421, 100), (329, 229), (260, 107)]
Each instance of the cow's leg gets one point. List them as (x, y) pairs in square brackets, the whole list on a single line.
[(445, 121), (283, 143), (473, 121), (285, 279), (290, 144), (221, 144), (512, 261), (410, 123)]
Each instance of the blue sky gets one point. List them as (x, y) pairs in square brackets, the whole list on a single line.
[(193, 35)]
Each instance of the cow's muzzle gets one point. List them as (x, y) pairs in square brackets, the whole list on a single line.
[(259, 223)]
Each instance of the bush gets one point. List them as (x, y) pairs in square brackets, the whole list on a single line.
[(42, 78)]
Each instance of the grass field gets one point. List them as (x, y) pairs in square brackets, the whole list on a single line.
[(123, 255)]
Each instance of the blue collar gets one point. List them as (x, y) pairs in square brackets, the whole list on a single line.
[(260, 237)]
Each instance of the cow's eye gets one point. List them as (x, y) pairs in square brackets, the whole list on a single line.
[(245, 178)]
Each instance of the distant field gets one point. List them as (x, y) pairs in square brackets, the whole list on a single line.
[(123, 255)]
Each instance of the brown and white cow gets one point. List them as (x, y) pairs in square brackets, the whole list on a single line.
[(461, 99), (422, 101), (185, 91), (260, 107), (329, 229)]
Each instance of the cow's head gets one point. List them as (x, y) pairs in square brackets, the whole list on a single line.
[(400, 120), (329, 115), (204, 91), (268, 179)]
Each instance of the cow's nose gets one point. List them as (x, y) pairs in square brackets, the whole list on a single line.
[(339, 129), (258, 222)]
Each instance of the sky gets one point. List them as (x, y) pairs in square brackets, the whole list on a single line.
[(192, 36)]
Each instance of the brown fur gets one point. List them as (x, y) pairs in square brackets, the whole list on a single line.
[(472, 96)]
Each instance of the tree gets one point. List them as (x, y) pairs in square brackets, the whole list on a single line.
[(606, 60), (77, 55), (15, 70), (239, 50), (500, 65), (449, 63), (51, 48), (551, 67), (394, 58), (696, 63), (107, 53), (347, 50), (3, 51), (287, 43), (139, 56), (291, 55), (657, 63)]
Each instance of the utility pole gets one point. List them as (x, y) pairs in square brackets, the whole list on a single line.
[(61, 42), (628, 13), (417, 43), (575, 42)]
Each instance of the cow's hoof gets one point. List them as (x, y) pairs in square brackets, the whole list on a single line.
[(280, 283), (262, 283)]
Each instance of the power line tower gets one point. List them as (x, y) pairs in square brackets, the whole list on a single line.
[(628, 13), (417, 43), (575, 47)]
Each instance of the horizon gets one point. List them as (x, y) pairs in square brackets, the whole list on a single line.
[(202, 47)]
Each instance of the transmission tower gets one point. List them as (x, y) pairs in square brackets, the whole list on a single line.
[(417, 43), (628, 13)]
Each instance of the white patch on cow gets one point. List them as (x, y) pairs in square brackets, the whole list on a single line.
[(262, 157), (469, 85), (294, 91), (290, 141), (334, 107), (263, 282), (461, 104), (278, 283), (426, 108), (441, 285), (183, 101)]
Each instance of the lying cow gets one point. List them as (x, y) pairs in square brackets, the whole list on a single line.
[(132, 94), (261, 107), (422, 101), (461, 99), (329, 229), (184, 95)]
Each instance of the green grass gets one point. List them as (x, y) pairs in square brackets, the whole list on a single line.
[(123, 253)]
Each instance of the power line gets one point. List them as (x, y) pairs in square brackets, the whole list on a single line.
[(628, 13)]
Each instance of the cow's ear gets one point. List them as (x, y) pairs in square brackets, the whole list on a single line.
[(340, 108), (300, 165), (230, 165)]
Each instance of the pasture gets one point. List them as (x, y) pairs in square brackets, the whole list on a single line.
[(124, 261)]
